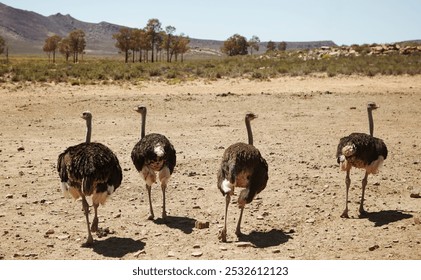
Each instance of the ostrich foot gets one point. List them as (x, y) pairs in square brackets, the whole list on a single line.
[(345, 214), (222, 235), (164, 215), (363, 213), (89, 243), (151, 217)]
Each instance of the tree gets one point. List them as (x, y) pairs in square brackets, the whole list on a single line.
[(254, 44), (168, 40), (153, 29), (271, 46), (235, 45), (51, 46), (77, 43), (2, 45), (180, 46), (64, 48), (125, 41), (282, 46)]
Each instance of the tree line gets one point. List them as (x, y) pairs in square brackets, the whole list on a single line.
[(239, 45), (149, 43), (145, 44)]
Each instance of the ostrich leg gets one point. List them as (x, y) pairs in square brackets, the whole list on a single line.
[(347, 183), (85, 206), (94, 226), (363, 213), (223, 234), (151, 216), (238, 230)]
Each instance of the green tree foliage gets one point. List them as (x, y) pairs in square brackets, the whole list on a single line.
[(254, 44), (235, 45), (51, 45), (271, 46)]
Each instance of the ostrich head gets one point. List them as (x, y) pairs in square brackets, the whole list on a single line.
[(250, 116), (142, 110), (372, 106), (87, 116)]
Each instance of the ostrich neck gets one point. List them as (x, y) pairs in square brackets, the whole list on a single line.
[(142, 130), (88, 131), (370, 121), (249, 132)]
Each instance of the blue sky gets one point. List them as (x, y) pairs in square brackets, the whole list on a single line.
[(344, 22)]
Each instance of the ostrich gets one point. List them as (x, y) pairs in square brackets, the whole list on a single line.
[(242, 166), (363, 151), (153, 153), (89, 169)]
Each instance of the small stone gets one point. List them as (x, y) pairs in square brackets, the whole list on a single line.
[(372, 248), (50, 231), (415, 195), (21, 148), (276, 251), (117, 215), (197, 254), (196, 246), (310, 221), (243, 244), (9, 196), (201, 225), (223, 248), (171, 254), (260, 218), (63, 237), (141, 252)]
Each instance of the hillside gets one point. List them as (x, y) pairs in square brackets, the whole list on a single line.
[(26, 31)]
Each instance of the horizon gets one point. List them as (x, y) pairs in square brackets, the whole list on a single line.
[(342, 22)]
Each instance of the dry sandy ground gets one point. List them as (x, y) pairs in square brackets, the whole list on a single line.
[(296, 217)]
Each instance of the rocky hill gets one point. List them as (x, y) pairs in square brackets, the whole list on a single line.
[(26, 31)]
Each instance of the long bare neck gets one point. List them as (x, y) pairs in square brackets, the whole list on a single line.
[(370, 121), (88, 130), (249, 132), (142, 130)]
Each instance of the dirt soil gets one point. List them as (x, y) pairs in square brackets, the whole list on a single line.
[(297, 216)]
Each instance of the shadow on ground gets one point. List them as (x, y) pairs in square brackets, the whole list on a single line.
[(270, 238), (184, 224), (386, 217), (117, 247)]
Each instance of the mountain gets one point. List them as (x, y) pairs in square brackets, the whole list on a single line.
[(25, 33)]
